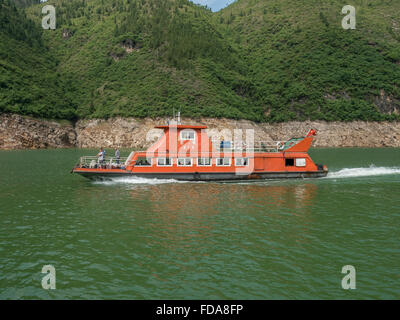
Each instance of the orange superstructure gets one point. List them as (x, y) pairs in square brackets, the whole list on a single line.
[(186, 152)]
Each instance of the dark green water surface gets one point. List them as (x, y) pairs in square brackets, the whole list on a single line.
[(145, 239)]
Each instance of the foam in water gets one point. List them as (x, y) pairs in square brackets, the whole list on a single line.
[(343, 173), (363, 172), (137, 180)]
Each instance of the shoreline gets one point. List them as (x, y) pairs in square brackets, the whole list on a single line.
[(21, 132)]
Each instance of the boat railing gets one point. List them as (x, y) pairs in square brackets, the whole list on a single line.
[(240, 146), (220, 146), (108, 162), (259, 146)]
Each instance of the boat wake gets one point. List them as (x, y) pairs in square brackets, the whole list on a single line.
[(137, 180), (343, 173), (363, 172)]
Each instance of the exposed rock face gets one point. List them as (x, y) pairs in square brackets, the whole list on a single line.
[(66, 34), (343, 134), (17, 132), (129, 45), (329, 134), (387, 103), (121, 132)]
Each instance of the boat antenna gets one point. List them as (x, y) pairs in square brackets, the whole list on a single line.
[(179, 117)]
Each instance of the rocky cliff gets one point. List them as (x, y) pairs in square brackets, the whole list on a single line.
[(17, 132)]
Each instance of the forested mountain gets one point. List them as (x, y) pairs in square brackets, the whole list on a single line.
[(305, 65), (29, 81), (274, 60)]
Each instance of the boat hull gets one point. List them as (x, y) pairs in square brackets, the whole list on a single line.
[(205, 176)]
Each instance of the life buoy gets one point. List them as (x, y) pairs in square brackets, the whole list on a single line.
[(280, 145)]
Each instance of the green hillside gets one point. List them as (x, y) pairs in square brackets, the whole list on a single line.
[(306, 66), (259, 60), (144, 58), (29, 81)]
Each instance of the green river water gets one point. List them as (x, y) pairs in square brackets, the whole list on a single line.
[(152, 239)]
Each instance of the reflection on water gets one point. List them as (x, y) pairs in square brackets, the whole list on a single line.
[(187, 217), (205, 197), (154, 239)]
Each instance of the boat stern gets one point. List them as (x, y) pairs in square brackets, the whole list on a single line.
[(92, 168)]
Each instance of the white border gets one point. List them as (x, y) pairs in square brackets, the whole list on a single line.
[(165, 165), (188, 130), (223, 165), (242, 165), (300, 162), (184, 165), (204, 165), (142, 166)]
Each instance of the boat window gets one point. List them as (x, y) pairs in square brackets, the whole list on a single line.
[(225, 145), (187, 135), (164, 162), (223, 162), (300, 162), (289, 162), (204, 161), (143, 162), (241, 162), (184, 162)]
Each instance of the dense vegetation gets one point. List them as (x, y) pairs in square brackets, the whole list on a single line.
[(271, 60), (305, 66), (29, 82)]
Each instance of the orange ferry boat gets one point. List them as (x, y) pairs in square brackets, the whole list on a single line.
[(185, 152)]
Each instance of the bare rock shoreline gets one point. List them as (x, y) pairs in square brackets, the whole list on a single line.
[(20, 132)]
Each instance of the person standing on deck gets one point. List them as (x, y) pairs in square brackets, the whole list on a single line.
[(101, 156), (117, 154), (104, 156)]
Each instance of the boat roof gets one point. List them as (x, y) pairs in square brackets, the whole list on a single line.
[(181, 126)]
